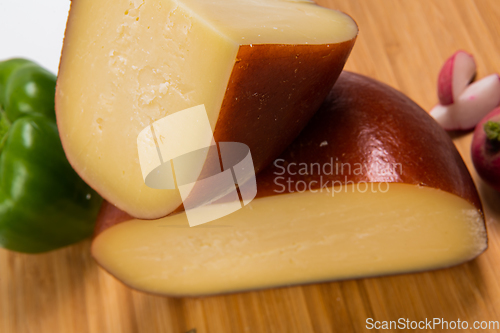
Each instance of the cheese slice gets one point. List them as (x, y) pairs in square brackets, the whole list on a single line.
[(261, 68), (294, 239)]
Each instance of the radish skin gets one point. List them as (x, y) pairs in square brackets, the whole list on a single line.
[(485, 151), (475, 102), (456, 73)]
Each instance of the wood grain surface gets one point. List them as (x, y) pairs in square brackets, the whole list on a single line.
[(402, 43)]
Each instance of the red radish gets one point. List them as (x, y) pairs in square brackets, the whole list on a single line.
[(456, 73), (477, 100), (486, 149)]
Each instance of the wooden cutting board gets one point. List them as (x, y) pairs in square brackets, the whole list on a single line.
[(402, 43)]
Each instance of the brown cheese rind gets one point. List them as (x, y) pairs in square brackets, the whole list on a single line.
[(273, 91), (367, 122), (109, 215)]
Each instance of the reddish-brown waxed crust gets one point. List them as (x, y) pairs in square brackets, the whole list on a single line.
[(365, 121), (108, 216), (272, 93)]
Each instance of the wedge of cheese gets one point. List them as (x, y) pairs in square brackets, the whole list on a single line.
[(372, 186), (261, 68)]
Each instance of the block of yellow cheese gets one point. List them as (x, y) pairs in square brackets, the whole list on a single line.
[(372, 186), (261, 68)]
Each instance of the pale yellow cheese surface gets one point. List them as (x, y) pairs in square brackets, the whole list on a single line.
[(126, 64), (296, 238)]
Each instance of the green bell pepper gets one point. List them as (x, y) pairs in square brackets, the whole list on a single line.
[(44, 204)]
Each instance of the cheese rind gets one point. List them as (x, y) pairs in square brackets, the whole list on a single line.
[(366, 131), (128, 64)]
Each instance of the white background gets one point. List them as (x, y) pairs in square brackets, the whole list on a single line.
[(33, 29)]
